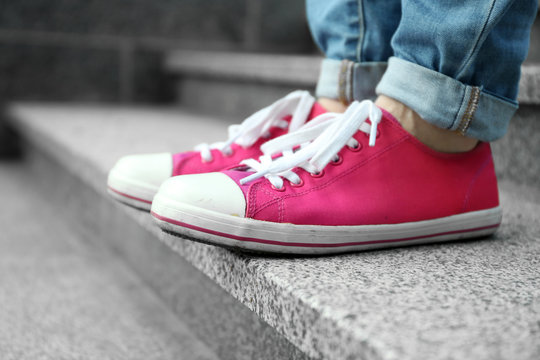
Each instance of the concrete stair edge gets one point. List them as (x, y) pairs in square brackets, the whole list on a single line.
[(60, 288), (292, 70), (220, 265), (97, 213)]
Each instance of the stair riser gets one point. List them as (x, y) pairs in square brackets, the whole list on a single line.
[(516, 154), (230, 98)]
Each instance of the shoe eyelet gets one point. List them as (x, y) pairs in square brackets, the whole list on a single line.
[(228, 154), (356, 148), (301, 183), (317, 175), (338, 161), (278, 189)]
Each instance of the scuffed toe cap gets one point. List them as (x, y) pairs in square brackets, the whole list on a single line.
[(211, 191), (149, 170)]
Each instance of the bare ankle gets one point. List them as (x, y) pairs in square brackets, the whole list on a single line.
[(332, 105), (436, 138)]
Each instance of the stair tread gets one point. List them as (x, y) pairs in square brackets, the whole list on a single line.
[(273, 68), (476, 299), (62, 297)]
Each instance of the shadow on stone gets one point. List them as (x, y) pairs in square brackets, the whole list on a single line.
[(10, 143)]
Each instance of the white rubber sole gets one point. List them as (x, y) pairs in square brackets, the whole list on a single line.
[(263, 236), (130, 192)]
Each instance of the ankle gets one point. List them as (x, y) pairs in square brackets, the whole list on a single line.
[(430, 135), (332, 105)]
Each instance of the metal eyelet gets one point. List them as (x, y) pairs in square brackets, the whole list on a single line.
[(301, 183), (228, 154), (338, 161), (356, 148), (317, 175), (278, 189)]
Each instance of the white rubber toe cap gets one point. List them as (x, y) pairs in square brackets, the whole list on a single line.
[(211, 191), (147, 170)]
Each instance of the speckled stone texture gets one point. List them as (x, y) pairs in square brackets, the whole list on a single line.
[(237, 83), (241, 83), (226, 326), (465, 300), (62, 297), (529, 86), (517, 153)]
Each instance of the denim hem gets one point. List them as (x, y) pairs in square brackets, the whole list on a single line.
[(446, 102), (347, 81)]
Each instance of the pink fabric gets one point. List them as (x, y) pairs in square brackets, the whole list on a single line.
[(191, 162), (398, 180)]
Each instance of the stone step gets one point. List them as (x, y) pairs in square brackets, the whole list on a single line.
[(473, 299), (534, 49), (235, 83), (65, 297), (70, 175)]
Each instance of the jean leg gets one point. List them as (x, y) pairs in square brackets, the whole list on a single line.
[(457, 64), (355, 38)]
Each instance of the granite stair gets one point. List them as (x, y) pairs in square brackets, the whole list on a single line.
[(471, 299), (65, 295)]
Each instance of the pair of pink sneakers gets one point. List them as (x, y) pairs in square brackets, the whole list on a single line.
[(294, 178)]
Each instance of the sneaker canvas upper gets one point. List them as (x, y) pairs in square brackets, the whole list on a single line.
[(135, 179), (395, 190)]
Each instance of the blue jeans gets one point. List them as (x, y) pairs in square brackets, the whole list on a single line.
[(456, 63)]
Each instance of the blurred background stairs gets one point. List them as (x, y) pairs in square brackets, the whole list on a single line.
[(84, 83)]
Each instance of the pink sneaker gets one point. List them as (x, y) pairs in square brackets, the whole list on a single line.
[(135, 179), (358, 181)]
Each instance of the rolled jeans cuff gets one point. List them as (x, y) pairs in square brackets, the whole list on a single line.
[(346, 81), (446, 102)]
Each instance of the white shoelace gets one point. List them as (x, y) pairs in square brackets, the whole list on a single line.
[(297, 103), (314, 145)]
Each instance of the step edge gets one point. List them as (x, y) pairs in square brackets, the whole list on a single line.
[(86, 171), (283, 69)]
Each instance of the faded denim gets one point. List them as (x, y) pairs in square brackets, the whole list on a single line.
[(456, 63)]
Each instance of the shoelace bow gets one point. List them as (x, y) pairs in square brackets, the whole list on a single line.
[(314, 145), (297, 103)]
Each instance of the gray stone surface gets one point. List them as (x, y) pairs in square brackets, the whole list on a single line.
[(201, 19), (265, 68), (224, 324), (9, 144), (63, 297), (475, 299), (238, 84), (91, 50), (229, 98), (517, 153), (59, 72), (300, 71), (529, 86), (534, 48), (284, 25)]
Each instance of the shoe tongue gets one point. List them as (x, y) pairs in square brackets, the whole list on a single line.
[(316, 110)]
